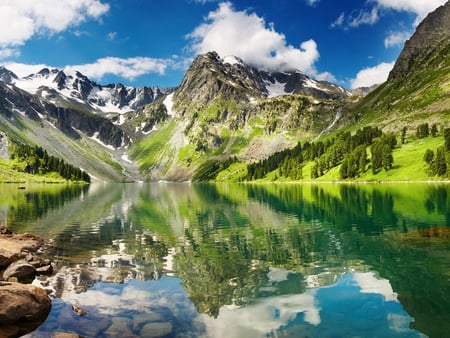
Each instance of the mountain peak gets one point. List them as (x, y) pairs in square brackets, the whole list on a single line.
[(429, 44), (211, 77), (7, 76), (73, 85)]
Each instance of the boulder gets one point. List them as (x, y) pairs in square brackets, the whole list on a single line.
[(23, 302), (22, 270), (14, 247)]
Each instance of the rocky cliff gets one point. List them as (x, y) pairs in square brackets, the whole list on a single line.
[(429, 47)]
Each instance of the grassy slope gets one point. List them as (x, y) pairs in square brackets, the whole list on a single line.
[(408, 166), (10, 175)]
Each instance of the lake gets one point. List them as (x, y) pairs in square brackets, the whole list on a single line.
[(241, 260)]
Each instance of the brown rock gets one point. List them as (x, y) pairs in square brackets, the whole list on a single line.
[(9, 331), (65, 335), (44, 270), (20, 269), (23, 302), (12, 247)]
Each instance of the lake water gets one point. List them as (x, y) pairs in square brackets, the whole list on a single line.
[(231, 260)]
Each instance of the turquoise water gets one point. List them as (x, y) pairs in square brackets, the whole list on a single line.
[(230, 260)]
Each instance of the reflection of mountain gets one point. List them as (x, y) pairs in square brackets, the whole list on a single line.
[(315, 232), (239, 248)]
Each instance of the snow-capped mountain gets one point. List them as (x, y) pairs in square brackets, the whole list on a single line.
[(211, 77), (284, 83), (72, 85)]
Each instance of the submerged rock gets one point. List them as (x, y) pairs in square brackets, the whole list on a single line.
[(156, 329)]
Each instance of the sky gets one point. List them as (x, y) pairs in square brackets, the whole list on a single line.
[(352, 43)]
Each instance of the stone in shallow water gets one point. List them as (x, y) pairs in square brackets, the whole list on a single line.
[(144, 318), (156, 329), (120, 327), (65, 335), (90, 325), (20, 269), (13, 246)]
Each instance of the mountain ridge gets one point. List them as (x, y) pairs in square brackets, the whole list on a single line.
[(224, 112), (73, 85)]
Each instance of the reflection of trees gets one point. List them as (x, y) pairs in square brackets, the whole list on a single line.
[(438, 200), (35, 203), (223, 263), (230, 265)]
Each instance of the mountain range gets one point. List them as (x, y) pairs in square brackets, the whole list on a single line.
[(223, 108)]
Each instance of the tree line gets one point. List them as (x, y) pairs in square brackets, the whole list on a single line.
[(439, 160), (36, 160), (345, 149)]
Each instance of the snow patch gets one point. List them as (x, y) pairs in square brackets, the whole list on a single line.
[(232, 60), (315, 85), (275, 89), (168, 102), (96, 139), (126, 158)]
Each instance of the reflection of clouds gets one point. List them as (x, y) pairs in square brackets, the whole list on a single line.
[(370, 284), (316, 307), (265, 316), (277, 275)]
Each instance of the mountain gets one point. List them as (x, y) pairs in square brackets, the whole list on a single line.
[(225, 109), (81, 138), (428, 48), (211, 78), (6, 75), (54, 84), (224, 115), (418, 87)]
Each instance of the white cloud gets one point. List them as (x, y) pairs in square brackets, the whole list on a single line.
[(364, 18), (111, 36), (372, 75), (129, 68), (312, 2), (419, 7), (22, 69), (371, 15), (246, 35), (8, 52), (339, 21), (396, 39), (326, 76), (21, 20)]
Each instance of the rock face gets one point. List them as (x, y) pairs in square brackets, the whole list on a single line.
[(210, 78), (429, 45), (70, 121)]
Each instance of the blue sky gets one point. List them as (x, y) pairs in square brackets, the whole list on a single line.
[(147, 42)]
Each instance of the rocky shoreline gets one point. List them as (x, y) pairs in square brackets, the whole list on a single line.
[(23, 306)]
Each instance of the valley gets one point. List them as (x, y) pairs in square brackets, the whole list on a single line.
[(227, 115)]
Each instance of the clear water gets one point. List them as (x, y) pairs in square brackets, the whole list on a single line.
[(230, 260)]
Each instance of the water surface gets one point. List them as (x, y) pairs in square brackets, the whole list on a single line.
[(230, 260)]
